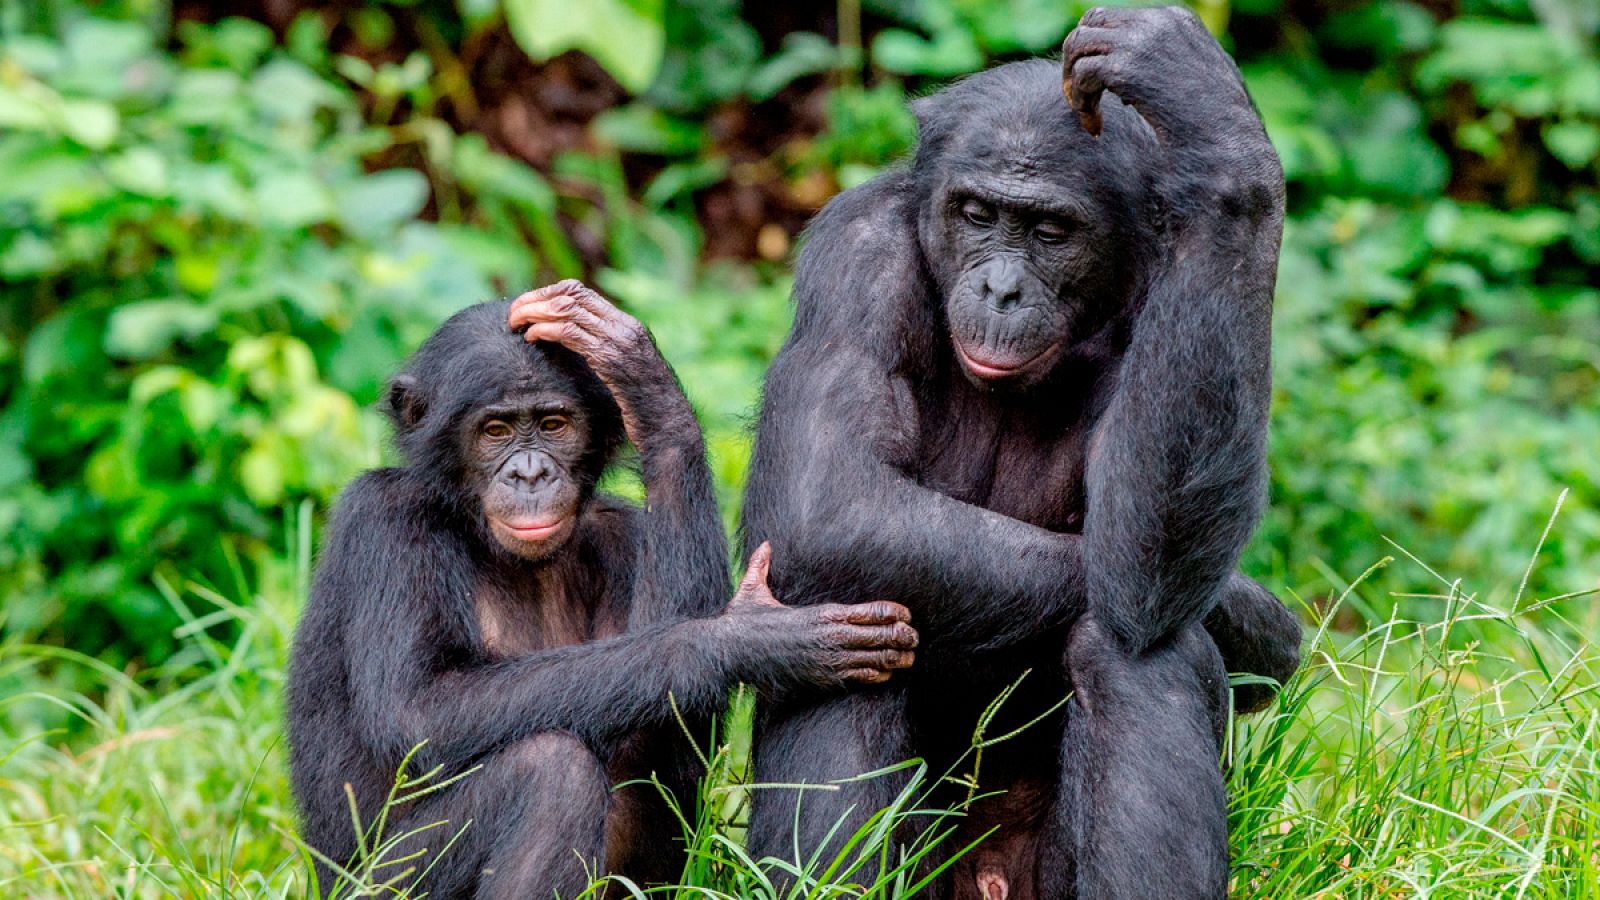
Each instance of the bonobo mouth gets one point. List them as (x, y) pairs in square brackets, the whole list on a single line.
[(529, 531), (994, 370)]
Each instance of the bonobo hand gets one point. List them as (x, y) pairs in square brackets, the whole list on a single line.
[(828, 644), (574, 315), (1164, 64), (614, 344)]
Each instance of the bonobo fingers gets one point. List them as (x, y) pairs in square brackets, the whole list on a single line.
[(878, 612), (1163, 62), (1084, 66), (885, 660), (576, 316), (873, 666), (877, 624), (865, 642), (898, 636)]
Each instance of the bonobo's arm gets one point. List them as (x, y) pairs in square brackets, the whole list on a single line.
[(683, 563), (1176, 475), (414, 675), (837, 420)]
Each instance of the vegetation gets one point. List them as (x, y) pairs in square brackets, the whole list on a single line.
[(218, 237)]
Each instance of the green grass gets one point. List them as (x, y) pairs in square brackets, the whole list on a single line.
[(1445, 749)]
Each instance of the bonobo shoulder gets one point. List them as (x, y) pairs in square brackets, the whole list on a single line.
[(382, 501), (859, 253), (874, 217), (377, 490)]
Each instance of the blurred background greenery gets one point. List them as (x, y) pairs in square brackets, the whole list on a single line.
[(223, 225)]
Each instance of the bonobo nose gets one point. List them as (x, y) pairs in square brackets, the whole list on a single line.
[(1002, 285), (527, 468)]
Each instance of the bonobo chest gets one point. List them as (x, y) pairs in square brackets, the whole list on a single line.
[(514, 618), (1024, 461)]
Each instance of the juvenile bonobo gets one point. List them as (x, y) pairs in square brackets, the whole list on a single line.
[(484, 603), (1026, 395)]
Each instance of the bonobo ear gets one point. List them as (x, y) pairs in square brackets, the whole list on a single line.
[(933, 125), (926, 110), (407, 405)]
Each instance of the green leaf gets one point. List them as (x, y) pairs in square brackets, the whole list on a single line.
[(261, 469), (684, 178), (288, 91), (951, 52), (624, 36), (804, 53), (645, 129), (139, 170), (371, 206), (1574, 143), (292, 200), (143, 330), (89, 122)]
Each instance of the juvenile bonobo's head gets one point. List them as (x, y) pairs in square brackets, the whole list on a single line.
[(512, 436), (1032, 229)]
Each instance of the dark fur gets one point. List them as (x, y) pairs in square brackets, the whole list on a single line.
[(1084, 523), (552, 676)]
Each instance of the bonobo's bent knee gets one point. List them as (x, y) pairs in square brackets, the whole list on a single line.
[(1108, 679), (557, 760)]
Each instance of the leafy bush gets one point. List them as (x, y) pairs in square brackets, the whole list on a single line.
[(1435, 375), (215, 248), (207, 286)]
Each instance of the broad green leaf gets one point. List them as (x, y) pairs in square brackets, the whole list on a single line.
[(1573, 142), (288, 91), (645, 129), (139, 170), (292, 199), (372, 205), (89, 122), (804, 53), (624, 36), (142, 330), (950, 52)]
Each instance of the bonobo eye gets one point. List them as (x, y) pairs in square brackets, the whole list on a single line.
[(553, 424), (1050, 231), (496, 429), (977, 212)]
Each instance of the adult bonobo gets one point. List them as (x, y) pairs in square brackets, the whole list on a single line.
[(1026, 395), (483, 600)]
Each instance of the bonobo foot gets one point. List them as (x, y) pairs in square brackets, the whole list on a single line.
[(1256, 634)]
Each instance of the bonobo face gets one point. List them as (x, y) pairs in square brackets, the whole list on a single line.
[(509, 435), (524, 454), (1030, 227), (1021, 257)]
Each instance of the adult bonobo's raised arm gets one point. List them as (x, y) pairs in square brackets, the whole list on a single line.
[(1177, 468), (1025, 395)]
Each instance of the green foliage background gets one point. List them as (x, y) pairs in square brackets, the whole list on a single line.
[(217, 239)]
